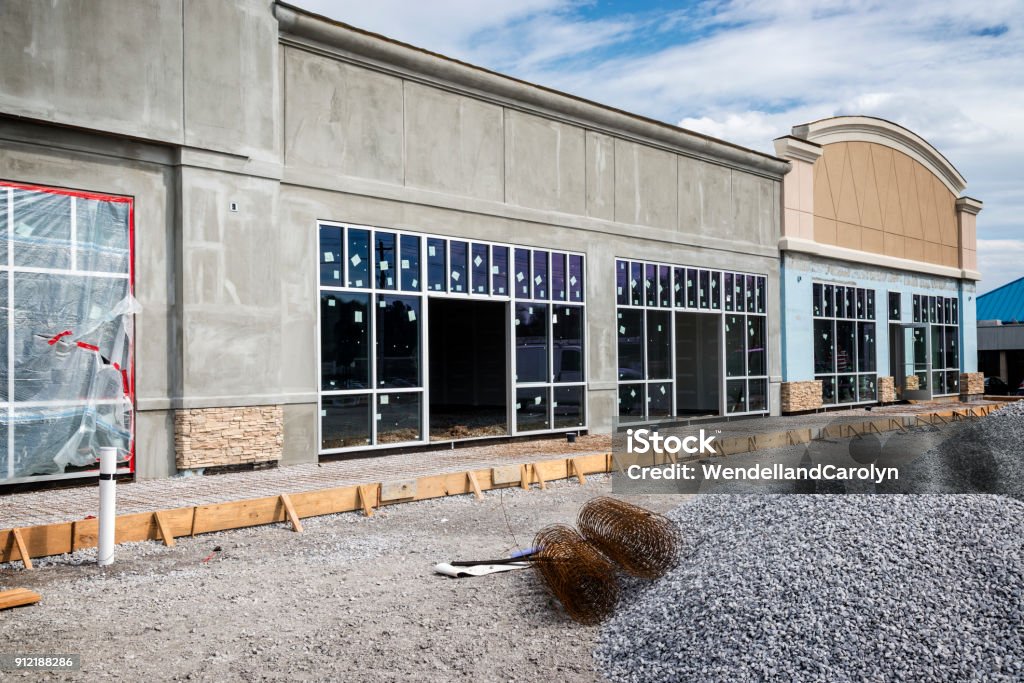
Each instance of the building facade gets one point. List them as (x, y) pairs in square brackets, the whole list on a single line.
[(268, 237), (879, 267)]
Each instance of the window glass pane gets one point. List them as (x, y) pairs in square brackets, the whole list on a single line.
[(679, 275), (636, 278), (650, 284), (866, 388), (567, 331), (895, 306), (331, 256), (762, 293), (664, 286), (631, 344), (736, 396), (729, 291), (827, 302), (499, 271), (956, 314), (632, 398), (384, 250), (751, 294), (716, 291), (824, 346), (558, 289), (398, 417), (947, 311), (622, 283), (871, 304), (757, 394), (42, 229), (816, 299), (917, 309), (691, 288), (410, 264), (522, 268), (735, 345), (459, 254), (569, 407), (755, 345), (828, 389), (862, 303), (931, 309), (659, 345), (939, 381), (846, 345), (358, 258), (437, 264), (851, 302), (345, 421), (847, 389), (953, 382), (952, 347), (102, 235), (398, 341), (481, 268), (659, 399), (866, 359), (540, 275), (704, 289), (531, 408), (344, 341), (938, 347), (532, 343), (575, 277)]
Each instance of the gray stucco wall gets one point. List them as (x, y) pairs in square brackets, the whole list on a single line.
[(293, 120)]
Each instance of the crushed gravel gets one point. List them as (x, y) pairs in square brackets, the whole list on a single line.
[(831, 588)]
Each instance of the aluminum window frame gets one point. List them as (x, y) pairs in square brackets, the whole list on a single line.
[(943, 312), (834, 310), (424, 294)]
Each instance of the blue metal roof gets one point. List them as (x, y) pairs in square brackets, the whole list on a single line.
[(1005, 303)]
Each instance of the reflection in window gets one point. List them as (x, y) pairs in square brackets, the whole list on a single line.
[(735, 346), (344, 421), (824, 346), (481, 266), (569, 407), (410, 263), (679, 274), (846, 344), (358, 258), (499, 271), (631, 344), (344, 341), (567, 332), (459, 253), (659, 399), (636, 284), (398, 417), (575, 277), (664, 287), (622, 283), (437, 265), (650, 285), (522, 268), (384, 248), (736, 395), (558, 277), (757, 394), (755, 346), (398, 341), (531, 408), (659, 345), (532, 343), (632, 398), (331, 256), (540, 275)]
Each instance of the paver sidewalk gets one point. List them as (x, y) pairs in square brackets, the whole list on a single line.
[(68, 504)]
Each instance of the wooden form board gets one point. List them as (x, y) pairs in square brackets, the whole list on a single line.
[(16, 597), (63, 537)]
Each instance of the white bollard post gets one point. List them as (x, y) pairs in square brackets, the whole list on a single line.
[(108, 466)]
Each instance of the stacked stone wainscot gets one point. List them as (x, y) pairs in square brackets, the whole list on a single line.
[(797, 397), (218, 437)]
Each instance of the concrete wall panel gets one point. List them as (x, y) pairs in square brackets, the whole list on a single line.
[(600, 172), (231, 95), (645, 185), (705, 198), (545, 164), (341, 119), (454, 143), (104, 64)]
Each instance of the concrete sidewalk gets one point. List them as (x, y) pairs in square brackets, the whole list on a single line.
[(68, 504)]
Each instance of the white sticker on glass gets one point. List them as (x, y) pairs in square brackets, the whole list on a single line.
[(538, 279), (572, 280), (330, 302), (622, 329), (477, 261), (494, 270), (431, 251), (405, 264), (337, 275), (383, 265), (384, 399), (412, 316), (355, 260), (456, 275), (415, 283), (328, 257), (537, 400), (519, 277), (357, 316)]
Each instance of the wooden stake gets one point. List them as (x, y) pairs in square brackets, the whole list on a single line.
[(364, 500), (165, 532), (524, 477), (289, 510), (22, 550), (578, 470), (539, 476), (474, 485)]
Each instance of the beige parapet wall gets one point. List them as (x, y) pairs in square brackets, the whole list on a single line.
[(165, 525)]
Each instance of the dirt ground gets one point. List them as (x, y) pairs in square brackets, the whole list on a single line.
[(351, 598)]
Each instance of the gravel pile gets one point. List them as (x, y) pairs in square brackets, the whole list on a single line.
[(831, 588)]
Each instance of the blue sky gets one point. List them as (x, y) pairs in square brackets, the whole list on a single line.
[(747, 71)]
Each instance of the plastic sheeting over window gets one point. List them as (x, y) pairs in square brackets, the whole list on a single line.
[(66, 311)]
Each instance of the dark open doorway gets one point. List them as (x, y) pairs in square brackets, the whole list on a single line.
[(468, 369), (698, 363)]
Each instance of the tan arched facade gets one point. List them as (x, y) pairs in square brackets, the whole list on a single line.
[(863, 186)]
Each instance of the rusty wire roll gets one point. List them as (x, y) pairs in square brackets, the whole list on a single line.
[(642, 542), (582, 579)]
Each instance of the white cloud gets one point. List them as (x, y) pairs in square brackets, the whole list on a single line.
[(1003, 262), (749, 70)]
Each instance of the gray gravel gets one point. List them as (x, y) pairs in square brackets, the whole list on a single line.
[(831, 588)]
